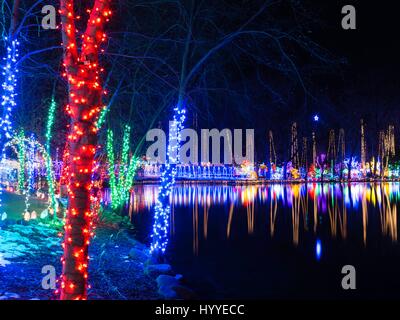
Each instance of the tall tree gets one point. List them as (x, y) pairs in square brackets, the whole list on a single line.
[(84, 104), (10, 70)]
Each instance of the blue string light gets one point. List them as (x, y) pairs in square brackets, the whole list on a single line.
[(162, 208), (9, 89), (31, 164), (31, 172), (8, 103)]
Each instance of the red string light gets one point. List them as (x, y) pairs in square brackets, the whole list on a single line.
[(82, 72)]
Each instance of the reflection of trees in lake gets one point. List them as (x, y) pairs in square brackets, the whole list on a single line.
[(388, 214), (310, 208)]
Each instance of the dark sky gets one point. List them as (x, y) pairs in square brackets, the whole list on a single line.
[(374, 43), (369, 83)]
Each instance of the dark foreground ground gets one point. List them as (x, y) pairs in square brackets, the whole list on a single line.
[(26, 247)]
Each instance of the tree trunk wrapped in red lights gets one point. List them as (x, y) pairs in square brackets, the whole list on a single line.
[(85, 103)]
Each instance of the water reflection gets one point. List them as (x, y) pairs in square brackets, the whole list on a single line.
[(312, 208)]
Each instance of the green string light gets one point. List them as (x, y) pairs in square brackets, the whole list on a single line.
[(102, 117), (49, 165), (111, 169), (134, 164), (120, 186), (21, 159), (123, 168)]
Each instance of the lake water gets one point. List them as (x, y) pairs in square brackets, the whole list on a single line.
[(280, 241)]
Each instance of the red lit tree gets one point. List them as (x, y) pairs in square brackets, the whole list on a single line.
[(84, 104)]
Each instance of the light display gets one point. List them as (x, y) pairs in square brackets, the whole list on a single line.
[(162, 208), (111, 170), (102, 117), (133, 165), (49, 164), (96, 194), (82, 71), (9, 88), (21, 159), (128, 168), (8, 103), (64, 178), (121, 184), (123, 168), (31, 153), (31, 157)]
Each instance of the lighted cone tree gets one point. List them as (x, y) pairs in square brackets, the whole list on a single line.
[(85, 103)]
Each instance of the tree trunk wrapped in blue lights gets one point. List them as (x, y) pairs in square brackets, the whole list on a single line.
[(162, 208)]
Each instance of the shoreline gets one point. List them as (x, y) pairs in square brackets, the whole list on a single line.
[(262, 182)]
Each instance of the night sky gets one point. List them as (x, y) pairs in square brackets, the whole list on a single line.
[(366, 85), (372, 51), (373, 44)]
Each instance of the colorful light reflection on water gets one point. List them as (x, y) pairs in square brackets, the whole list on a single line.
[(333, 200), (307, 226)]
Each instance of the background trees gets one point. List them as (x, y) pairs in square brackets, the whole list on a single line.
[(256, 64)]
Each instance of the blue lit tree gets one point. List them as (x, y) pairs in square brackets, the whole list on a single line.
[(162, 210), (10, 71), (19, 16)]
